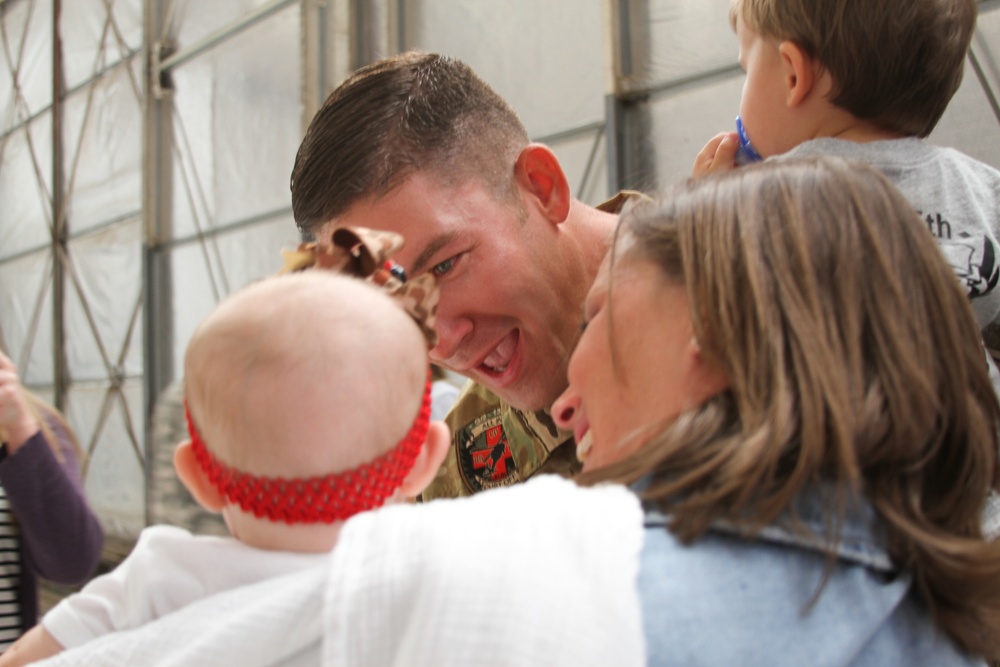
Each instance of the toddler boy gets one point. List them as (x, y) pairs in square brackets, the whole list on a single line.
[(868, 81)]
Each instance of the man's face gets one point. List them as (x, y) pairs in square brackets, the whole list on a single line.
[(509, 311)]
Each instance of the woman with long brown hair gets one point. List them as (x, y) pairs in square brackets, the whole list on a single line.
[(782, 364), (47, 528)]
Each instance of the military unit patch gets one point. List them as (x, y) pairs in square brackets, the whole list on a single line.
[(484, 455)]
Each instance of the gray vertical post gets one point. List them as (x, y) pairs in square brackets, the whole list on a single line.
[(158, 329), (630, 162), (60, 232)]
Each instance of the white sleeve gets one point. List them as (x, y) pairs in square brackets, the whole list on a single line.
[(111, 601)]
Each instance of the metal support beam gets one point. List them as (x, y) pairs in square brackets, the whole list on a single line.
[(60, 232), (614, 136), (378, 30), (630, 159), (157, 192)]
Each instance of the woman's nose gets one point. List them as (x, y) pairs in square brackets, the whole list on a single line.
[(565, 408)]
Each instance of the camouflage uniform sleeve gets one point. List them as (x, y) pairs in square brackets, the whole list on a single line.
[(494, 445)]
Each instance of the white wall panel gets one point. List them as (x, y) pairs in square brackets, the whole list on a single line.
[(675, 39), (970, 124), (683, 122), (237, 113), (26, 315), (574, 155), (26, 187), (548, 59), (203, 274), (27, 47), (103, 126), (193, 20), (193, 155), (92, 42), (115, 481), (101, 309)]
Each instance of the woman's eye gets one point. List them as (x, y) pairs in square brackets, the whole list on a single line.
[(444, 267)]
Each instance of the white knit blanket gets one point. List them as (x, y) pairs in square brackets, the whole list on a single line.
[(543, 573)]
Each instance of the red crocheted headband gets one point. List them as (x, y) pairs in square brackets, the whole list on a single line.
[(329, 498)]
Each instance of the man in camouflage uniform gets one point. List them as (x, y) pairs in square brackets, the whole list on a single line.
[(419, 145)]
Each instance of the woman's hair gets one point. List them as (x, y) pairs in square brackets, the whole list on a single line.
[(854, 363), (47, 415), (49, 418)]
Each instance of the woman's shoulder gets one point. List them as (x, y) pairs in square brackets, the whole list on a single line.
[(782, 596)]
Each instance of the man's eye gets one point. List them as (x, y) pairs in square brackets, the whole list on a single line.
[(444, 267)]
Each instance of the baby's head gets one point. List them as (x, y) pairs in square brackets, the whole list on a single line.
[(301, 376), (895, 65)]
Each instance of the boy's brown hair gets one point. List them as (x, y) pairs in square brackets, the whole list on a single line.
[(895, 64)]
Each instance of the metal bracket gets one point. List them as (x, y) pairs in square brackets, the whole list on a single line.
[(161, 85)]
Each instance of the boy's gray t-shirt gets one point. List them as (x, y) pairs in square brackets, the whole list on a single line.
[(959, 199)]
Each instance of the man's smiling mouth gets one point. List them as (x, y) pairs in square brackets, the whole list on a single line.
[(497, 360)]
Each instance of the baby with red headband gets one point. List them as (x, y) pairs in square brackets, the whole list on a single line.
[(308, 402)]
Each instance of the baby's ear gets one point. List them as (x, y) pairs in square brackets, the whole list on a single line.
[(428, 461), (195, 480)]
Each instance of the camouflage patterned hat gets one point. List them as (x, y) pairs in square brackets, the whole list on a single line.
[(367, 254)]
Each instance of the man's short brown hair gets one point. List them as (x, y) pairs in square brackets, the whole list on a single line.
[(895, 63), (412, 112)]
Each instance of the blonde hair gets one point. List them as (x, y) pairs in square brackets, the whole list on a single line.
[(854, 362), (44, 413)]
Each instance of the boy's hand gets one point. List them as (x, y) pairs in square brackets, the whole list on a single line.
[(719, 154)]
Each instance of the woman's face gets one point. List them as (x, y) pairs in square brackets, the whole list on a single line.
[(659, 371)]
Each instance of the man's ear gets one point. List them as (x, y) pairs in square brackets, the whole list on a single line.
[(539, 174), (428, 461), (195, 480), (800, 71)]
